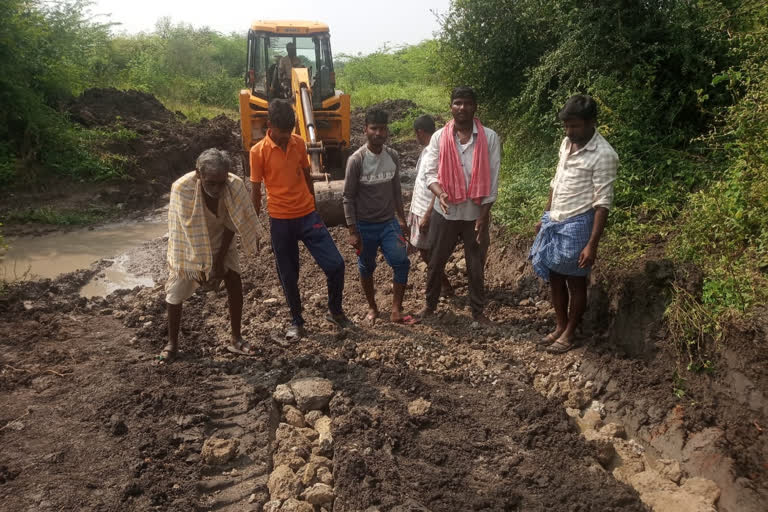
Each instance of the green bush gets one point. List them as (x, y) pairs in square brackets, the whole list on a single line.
[(404, 73)]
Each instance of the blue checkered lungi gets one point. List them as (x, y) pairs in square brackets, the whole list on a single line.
[(558, 245)]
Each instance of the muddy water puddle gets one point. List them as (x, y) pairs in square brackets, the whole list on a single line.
[(50, 255)]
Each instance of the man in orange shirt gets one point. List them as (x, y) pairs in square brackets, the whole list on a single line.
[(280, 161)]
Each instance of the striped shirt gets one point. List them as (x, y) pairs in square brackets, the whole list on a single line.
[(584, 179)]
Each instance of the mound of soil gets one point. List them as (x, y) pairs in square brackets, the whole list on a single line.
[(104, 106), (167, 144)]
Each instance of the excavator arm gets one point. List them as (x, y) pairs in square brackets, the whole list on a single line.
[(302, 94)]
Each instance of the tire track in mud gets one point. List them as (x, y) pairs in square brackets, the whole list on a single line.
[(238, 413)]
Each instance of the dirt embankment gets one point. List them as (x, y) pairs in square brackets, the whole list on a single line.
[(166, 144)]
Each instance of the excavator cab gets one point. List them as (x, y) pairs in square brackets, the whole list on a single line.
[(293, 60), (266, 54)]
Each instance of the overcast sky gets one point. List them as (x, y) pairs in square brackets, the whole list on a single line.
[(356, 26)]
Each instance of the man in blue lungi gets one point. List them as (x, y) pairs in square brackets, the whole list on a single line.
[(569, 230)]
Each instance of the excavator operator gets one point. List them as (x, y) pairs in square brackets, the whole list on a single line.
[(281, 79)]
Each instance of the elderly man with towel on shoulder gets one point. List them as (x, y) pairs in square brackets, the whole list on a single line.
[(462, 169), (208, 206)]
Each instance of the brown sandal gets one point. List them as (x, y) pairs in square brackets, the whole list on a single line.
[(560, 346)]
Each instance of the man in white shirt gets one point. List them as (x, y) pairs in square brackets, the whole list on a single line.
[(423, 200), (570, 228), (461, 167)]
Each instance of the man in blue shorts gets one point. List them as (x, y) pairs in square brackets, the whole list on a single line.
[(570, 228)]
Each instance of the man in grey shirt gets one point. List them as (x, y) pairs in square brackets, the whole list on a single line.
[(372, 199), (461, 167)]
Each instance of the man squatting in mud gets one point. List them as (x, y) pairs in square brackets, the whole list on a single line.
[(208, 206), (461, 168), (373, 207), (570, 228), (280, 161)]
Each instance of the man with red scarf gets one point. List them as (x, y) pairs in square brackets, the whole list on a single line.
[(462, 169)]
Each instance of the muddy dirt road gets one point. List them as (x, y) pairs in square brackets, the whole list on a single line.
[(441, 416)]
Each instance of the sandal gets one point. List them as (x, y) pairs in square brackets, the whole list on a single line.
[(407, 320), (241, 348), (560, 346), (546, 341), (167, 355)]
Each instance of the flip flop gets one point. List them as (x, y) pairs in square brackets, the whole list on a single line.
[(167, 355), (242, 349), (546, 341), (559, 347), (407, 320)]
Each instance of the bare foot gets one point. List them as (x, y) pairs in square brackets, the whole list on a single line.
[(370, 318)]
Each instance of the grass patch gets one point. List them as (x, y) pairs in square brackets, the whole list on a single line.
[(60, 217), (194, 112), (432, 98)]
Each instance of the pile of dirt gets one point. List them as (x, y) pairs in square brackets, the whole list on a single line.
[(166, 145), (104, 106)]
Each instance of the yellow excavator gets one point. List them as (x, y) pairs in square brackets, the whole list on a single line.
[(293, 60)]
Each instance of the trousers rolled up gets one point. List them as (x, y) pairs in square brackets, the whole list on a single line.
[(444, 234), (311, 230)]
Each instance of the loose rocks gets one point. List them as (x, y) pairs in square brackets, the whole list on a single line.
[(311, 393), (303, 476), (283, 394), (419, 407), (219, 451)]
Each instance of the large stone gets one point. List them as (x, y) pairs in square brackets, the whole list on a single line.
[(308, 474), (670, 469), (312, 416), (293, 416), (706, 489), (649, 481), (321, 461), (283, 484), (319, 494), (324, 475), (283, 394), (312, 393), (290, 439), (294, 505), (419, 407), (590, 421), (272, 506), (613, 430), (325, 439), (219, 451)]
